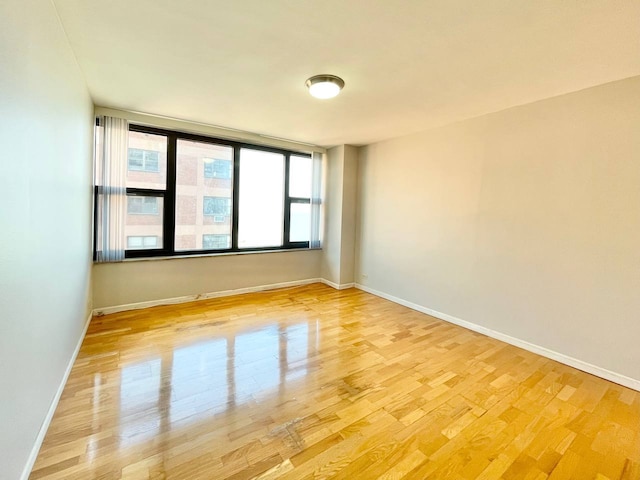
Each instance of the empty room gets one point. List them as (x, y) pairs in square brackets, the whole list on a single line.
[(293, 239)]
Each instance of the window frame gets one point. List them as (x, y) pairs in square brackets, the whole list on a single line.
[(169, 195), (287, 205)]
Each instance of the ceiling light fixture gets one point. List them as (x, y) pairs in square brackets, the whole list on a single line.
[(324, 86)]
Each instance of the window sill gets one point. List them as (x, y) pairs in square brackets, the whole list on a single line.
[(255, 252)]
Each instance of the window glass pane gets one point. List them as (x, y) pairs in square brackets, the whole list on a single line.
[(216, 242), (299, 177), (261, 199), (217, 168), (138, 242), (147, 161), (142, 205), (217, 206), (136, 159), (204, 186), (134, 242), (300, 225), (143, 225), (151, 161), (150, 242)]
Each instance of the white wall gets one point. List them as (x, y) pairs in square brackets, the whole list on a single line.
[(349, 202), (331, 244), (129, 282), (45, 192), (340, 213), (525, 221)]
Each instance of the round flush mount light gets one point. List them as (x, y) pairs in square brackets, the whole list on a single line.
[(324, 86)]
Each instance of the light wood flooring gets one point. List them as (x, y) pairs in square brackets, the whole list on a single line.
[(315, 383)]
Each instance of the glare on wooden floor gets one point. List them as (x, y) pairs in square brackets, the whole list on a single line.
[(311, 382)]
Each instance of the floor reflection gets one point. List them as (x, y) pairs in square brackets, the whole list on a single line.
[(297, 341), (139, 401), (212, 377), (199, 380), (257, 368)]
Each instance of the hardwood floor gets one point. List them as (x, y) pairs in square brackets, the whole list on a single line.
[(315, 383)]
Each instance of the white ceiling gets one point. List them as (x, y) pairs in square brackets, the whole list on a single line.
[(408, 64)]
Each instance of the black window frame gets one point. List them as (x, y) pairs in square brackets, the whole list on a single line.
[(169, 195), (289, 200)]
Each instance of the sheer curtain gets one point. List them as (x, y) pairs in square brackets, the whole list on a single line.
[(112, 137), (315, 240)]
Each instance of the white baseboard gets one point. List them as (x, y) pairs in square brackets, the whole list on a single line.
[(337, 286), (54, 404), (531, 347), (201, 296)]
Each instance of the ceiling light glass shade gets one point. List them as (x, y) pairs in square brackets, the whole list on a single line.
[(324, 86)]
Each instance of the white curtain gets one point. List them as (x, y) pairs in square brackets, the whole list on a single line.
[(315, 240), (112, 138)]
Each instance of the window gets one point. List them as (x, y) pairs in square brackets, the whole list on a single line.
[(150, 241), (217, 168), (299, 199), (143, 160), (142, 205), (216, 242), (146, 191), (203, 206), (191, 193), (261, 198), (217, 206)]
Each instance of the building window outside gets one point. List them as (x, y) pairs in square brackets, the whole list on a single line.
[(142, 205), (217, 168), (143, 160), (217, 206), (216, 242), (142, 242)]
